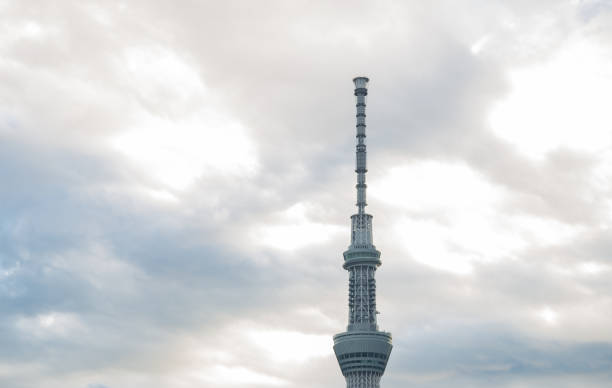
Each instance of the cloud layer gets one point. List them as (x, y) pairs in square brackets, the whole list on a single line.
[(177, 182)]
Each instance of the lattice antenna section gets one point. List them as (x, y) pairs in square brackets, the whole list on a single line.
[(363, 379), (361, 91), (361, 223), (362, 297)]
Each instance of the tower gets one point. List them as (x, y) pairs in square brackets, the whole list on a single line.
[(362, 350)]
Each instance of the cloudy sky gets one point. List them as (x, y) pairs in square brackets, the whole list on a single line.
[(176, 181)]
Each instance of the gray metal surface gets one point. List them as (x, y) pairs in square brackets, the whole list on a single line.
[(362, 350)]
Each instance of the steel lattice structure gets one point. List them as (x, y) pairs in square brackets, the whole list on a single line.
[(362, 350)]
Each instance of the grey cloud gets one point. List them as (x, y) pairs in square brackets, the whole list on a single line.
[(437, 357)]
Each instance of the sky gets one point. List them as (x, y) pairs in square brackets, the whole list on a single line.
[(176, 182)]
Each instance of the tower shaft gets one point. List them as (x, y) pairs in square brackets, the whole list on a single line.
[(362, 351)]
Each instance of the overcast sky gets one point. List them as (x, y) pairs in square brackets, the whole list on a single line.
[(176, 182)]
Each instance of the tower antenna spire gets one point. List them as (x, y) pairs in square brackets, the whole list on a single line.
[(361, 91), (362, 350)]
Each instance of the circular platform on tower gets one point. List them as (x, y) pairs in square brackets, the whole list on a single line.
[(362, 351)]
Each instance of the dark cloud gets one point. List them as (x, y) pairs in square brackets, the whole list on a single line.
[(497, 352)]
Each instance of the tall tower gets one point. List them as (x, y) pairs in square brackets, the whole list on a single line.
[(362, 350)]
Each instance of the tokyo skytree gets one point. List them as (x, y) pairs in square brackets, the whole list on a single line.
[(362, 350)]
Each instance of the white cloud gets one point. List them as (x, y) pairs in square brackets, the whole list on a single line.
[(154, 154), (285, 346), (453, 215), (223, 375), (559, 103), (176, 153), (480, 44), (181, 134), (549, 316), (456, 218), (49, 325), (293, 230)]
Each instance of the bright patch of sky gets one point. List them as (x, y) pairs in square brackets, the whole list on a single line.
[(179, 135), (549, 316), (49, 325), (559, 103), (176, 153), (223, 375), (453, 220), (286, 346), (293, 230)]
